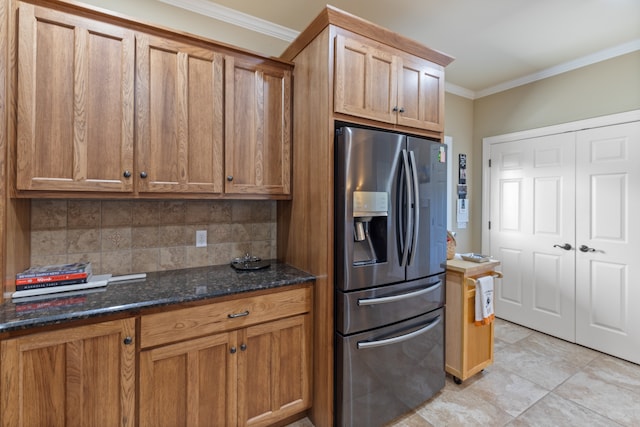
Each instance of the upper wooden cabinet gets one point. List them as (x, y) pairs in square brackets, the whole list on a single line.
[(378, 82), (258, 127), (82, 376), (208, 119), (75, 103), (179, 122)]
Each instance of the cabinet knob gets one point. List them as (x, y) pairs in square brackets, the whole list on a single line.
[(233, 350), (243, 347), (229, 178), (127, 174), (395, 109), (143, 174), (127, 340), (401, 110)]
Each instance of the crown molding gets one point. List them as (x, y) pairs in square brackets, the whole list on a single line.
[(591, 59), (250, 22), (458, 90), (232, 16)]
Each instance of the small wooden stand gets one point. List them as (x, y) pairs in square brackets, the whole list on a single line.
[(469, 348)]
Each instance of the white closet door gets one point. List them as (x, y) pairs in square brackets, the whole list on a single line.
[(608, 223), (532, 209)]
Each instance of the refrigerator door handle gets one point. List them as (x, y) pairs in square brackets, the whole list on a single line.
[(407, 210), (401, 338), (394, 298), (416, 206)]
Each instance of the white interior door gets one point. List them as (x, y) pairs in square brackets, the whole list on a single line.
[(608, 223), (532, 210)]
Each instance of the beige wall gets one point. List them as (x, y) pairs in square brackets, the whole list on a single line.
[(459, 126), (608, 87)]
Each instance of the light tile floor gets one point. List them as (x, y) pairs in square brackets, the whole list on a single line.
[(535, 380)]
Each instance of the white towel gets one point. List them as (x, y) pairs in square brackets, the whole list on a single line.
[(484, 301)]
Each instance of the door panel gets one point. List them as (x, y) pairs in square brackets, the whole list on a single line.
[(179, 117), (420, 91), (365, 80), (356, 150), (431, 222), (608, 203), (532, 209), (74, 104)]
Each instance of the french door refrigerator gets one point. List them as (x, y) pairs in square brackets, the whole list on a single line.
[(390, 248)]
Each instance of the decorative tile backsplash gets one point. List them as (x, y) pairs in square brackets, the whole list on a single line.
[(122, 237)]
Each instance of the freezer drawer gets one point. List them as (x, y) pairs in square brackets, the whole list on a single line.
[(362, 310), (389, 371)]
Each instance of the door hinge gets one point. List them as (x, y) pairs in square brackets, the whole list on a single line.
[(489, 225), (489, 162)]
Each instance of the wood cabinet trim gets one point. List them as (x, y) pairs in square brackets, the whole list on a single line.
[(336, 17)]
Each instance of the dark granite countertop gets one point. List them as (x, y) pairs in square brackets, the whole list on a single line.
[(158, 289)]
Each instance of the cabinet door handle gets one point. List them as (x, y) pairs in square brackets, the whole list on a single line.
[(143, 174), (127, 340), (234, 315), (233, 350), (401, 110), (127, 174), (243, 347), (229, 178)]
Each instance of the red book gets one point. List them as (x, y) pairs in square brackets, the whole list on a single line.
[(52, 279)]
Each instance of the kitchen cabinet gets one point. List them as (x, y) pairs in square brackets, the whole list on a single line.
[(179, 117), (90, 84), (306, 226), (258, 127), (243, 362), (80, 376), (377, 82), (75, 103), (469, 348)]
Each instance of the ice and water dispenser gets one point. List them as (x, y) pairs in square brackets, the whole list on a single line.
[(370, 214)]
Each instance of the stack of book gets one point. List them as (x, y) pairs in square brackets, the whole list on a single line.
[(53, 276)]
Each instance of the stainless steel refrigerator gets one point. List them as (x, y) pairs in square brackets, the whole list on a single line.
[(390, 222)]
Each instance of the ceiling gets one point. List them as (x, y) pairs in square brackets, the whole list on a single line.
[(497, 43)]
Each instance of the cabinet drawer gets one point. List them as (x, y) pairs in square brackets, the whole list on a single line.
[(177, 325)]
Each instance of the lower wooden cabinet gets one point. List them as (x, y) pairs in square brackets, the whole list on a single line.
[(189, 383), (274, 371), (242, 362), (82, 376), (252, 367)]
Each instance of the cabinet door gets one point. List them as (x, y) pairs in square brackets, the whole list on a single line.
[(274, 371), (179, 117), (365, 80), (420, 94), (190, 383), (75, 103), (83, 376), (258, 128)]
